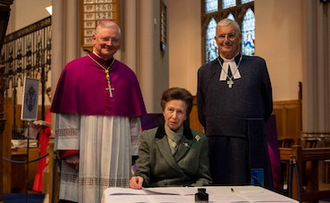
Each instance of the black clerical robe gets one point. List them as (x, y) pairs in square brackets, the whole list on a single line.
[(234, 121)]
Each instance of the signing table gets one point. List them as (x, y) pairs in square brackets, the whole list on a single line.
[(217, 194)]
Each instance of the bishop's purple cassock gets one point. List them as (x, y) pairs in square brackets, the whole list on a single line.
[(104, 131), (87, 93)]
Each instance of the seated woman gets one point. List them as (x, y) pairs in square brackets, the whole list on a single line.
[(172, 154)]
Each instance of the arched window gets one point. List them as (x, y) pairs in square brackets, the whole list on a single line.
[(211, 46), (231, 16), (242, 11), (248, 33)]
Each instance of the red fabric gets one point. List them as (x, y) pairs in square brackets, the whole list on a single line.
[(43, 144), (67, 153)]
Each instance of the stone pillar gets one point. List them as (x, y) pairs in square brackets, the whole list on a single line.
[(152, 63), (4, 18), (129, 27), (316, 85)]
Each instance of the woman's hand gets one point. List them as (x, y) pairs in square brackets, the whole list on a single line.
[(136, 182)]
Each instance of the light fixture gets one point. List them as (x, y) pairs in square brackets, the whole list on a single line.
[(49, 9)]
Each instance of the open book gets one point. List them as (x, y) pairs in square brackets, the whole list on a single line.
[(34, 128), (41, 122)]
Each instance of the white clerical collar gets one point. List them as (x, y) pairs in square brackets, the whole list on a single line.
[(99, 56), (233, 68)]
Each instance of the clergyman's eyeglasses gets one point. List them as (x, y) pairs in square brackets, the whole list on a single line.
[(230, 36), (114, 41)]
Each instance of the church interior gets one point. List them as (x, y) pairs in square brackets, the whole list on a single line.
[(164, 44)]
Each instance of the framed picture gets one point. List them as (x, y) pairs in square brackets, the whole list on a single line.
[(30, 99)]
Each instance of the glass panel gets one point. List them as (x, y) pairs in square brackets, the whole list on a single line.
[(248, 33), (228, 3), (246, 1), (211, 48), (231, 17), (211, 6)]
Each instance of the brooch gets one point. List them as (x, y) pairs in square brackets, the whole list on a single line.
[(186, 144), (197, 137)]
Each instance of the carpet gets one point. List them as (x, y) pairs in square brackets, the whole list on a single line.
[(21, 198)]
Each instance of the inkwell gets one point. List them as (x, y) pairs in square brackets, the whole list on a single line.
[(201, 196)]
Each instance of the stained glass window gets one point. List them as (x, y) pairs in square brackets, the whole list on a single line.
[(228, 3), (211, 47), (211, 6), (231, 16), (248, 33), (246, 1), (241, 11)]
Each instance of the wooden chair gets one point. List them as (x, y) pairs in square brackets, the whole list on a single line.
[(309, 142), (285, 142), (318, 139), (326, 177), (310, 192), (287, 166)]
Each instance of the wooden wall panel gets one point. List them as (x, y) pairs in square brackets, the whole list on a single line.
[(193, 118), (280, 122), (288, 118)]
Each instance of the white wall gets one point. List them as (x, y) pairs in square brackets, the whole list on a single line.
[(279, 39), (26, 12), (184, 21)]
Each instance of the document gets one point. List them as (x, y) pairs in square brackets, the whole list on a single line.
[(235, 194)]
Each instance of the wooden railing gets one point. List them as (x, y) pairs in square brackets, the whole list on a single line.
[(27, 53), (306, 161)]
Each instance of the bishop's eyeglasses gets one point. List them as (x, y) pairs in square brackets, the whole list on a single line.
[(114, 41)]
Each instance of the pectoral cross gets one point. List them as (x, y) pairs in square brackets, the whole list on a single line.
[(107, 74), (110, 89), (230, 83)]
